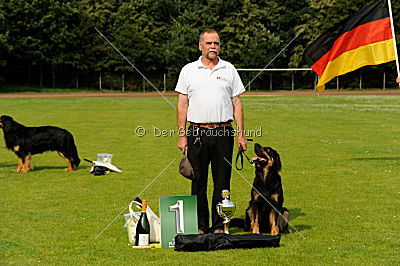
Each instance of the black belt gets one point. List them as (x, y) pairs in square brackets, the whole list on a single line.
[(212, 125)]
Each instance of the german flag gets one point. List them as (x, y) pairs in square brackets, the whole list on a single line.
[(364, 38)]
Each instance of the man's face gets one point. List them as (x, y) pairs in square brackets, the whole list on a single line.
[(209, 45)]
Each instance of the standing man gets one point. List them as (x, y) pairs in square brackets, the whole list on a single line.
[(209, 90)]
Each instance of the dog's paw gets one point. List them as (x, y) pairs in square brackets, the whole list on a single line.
[(286, 231), (274, 231)]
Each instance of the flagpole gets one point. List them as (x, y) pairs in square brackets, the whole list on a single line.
[(394, 38)]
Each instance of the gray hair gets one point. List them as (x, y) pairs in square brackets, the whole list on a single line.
[(207, 31)]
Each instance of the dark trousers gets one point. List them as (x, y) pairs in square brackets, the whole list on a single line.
[(207, 146)]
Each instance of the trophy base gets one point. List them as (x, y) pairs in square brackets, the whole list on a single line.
[(226, 226)]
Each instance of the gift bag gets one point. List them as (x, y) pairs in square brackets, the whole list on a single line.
[(132, 219)]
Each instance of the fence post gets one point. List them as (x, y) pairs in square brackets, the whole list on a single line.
[(165, 82), (315, 82), (77, 79), (384, 80), (270, 82), (360, 80), (100, 81), (292, 80), (337, 83), (123, 82)]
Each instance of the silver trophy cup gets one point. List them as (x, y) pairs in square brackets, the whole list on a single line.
[(226, 209)]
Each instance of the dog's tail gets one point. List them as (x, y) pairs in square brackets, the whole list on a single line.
[(283, 221), (237, 222)]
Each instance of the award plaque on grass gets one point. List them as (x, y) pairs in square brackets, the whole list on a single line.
[(178, 215)]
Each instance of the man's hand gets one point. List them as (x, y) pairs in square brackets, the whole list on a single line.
[(182, 143), (242, 142), (398, 79)]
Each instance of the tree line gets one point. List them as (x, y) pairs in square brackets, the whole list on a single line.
[(55, 43)]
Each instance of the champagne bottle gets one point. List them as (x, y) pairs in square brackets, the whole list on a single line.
[(143, 228)]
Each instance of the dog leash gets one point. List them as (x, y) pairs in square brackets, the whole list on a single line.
[(240, 155)]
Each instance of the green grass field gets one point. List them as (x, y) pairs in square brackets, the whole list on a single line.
[(340, 175), (37, 89)]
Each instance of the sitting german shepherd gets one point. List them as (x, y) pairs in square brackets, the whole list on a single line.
[(266, 196)]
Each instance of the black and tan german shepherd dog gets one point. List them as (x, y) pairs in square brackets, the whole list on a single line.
[(28, 141), (266, 196)]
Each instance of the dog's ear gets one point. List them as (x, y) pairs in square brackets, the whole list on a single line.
[(258, 149), (275, 157), (277, 161)]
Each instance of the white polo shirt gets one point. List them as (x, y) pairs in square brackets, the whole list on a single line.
[(210, 92)]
